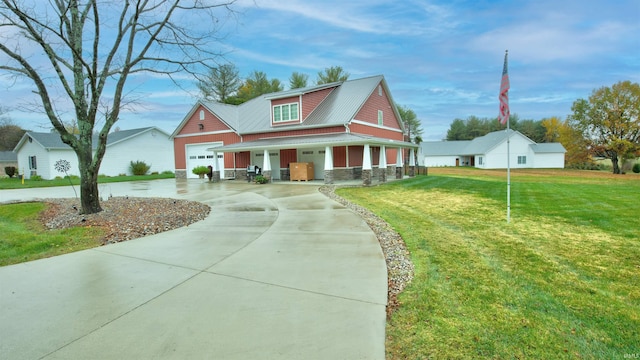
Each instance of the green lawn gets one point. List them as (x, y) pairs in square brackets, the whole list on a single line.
[(562, 280), (24, 238), (16, 183)]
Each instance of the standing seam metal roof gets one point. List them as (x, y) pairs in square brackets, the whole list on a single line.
[(52, 140), (338, 108)]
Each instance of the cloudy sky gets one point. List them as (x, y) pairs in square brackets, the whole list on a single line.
[(441, 58)]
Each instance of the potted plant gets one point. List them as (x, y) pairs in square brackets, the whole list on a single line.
[(201, 171)]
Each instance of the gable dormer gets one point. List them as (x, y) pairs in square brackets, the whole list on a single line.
[(294, 106), (285, 111)]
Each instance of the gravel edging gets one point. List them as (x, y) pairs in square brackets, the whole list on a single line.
[(400, 269), (125, 218)]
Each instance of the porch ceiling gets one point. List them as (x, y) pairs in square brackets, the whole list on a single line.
[(311, 141)]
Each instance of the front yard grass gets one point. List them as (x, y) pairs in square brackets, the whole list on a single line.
[(16, 183), (562, 280), (24, 238)]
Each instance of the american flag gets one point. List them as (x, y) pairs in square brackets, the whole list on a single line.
[(503, 117)]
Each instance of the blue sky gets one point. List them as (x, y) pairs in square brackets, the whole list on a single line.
[(442, 58)]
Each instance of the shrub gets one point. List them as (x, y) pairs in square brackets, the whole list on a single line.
[(200, 170), (167, 172), (10, 171), (636, 168), (139, 168), (259, 179), (36, 178)]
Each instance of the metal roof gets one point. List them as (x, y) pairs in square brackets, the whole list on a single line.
[(443, 148), (311, 141), (483, 145), (52, 140), (548, 148), (8, 156), (338, 108)]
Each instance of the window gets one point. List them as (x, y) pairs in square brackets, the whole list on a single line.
[(33, 165), (479, 160), (379, 90), (201, 115), (522, 160), (286, 112), (380, 117)]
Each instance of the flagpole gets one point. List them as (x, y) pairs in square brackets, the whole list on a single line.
[(508, 173), (503, 117)]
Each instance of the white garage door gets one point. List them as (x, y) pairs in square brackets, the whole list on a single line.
[(198, 155)]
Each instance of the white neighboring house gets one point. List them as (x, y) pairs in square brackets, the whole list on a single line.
[(490, 152), (38, 152)]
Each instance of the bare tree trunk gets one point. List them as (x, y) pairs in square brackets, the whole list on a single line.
[(89, 196), (616, 166)]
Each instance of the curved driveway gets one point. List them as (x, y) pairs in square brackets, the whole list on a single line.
[(276, 271)]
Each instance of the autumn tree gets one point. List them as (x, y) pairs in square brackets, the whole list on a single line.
[(577, 155), (220, 83), (610, 121), (332, 74), (298, 80), (82, 53), (256, 84)]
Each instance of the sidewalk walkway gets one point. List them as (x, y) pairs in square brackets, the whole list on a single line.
[(276, 271)]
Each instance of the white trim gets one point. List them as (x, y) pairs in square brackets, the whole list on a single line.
[(354, 121), (205, 133), (281, 106)]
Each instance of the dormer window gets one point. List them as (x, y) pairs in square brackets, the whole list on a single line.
[(285, 112)]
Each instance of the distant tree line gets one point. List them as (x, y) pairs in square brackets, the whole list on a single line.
[(224, 84), (473, 127)]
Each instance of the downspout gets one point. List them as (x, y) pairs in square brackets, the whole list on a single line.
[(346, 126)]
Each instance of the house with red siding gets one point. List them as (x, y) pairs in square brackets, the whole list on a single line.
[(343, 131)]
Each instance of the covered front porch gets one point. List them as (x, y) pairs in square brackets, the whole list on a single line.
[(332, 157)]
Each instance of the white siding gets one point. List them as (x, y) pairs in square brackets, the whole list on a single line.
[(435, 161), (153, 147), (549, 161), (56, 155), (45, 161), (496, 158)]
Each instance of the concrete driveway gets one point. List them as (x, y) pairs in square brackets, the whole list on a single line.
[(277, 271)]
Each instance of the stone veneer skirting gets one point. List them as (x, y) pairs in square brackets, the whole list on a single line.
[(337, 174)]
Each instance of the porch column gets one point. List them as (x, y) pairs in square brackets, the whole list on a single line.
[(266, 165), (412, 163), (328, 165), (366, 166), (215, 171), (399, 164), (383, 164)]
